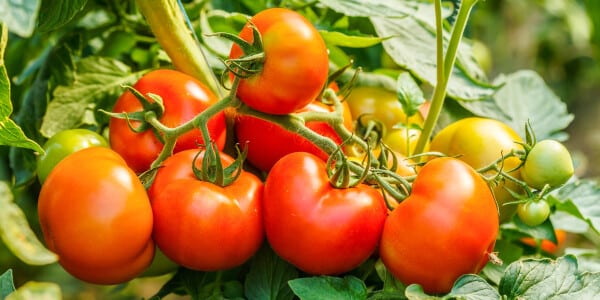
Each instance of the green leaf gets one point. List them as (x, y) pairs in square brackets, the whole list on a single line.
[(580, 199), (526, 97), (268, 277), (546, 279), (352, 41), (54, 14), (38, 291), (97, 80), (7, 285), (329, 288), (367, 8), (467, 287), (20, 16), (16, 233), (10, 133), (199, 285), (410, 94)]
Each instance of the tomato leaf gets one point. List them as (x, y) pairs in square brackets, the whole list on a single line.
[(11, 134), (410, 95), (352, 41), (268, 277), (524, 97), (20, 16), (329, 287), (580, 199), (546, 278), (54, 14), (467, 287), (372, 7), (16, 233), (199, 285), (7, 285), (36, 290), (98, 81)]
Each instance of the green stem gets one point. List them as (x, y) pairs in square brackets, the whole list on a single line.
[(439, 93), (168, 25)]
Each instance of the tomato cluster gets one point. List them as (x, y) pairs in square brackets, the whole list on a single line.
[(202, 210)]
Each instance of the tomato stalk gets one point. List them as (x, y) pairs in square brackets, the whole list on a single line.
[(166, 20), (445, 64)]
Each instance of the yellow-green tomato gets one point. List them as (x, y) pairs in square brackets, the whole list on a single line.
[(479, 142), (549, 162), (64, 143), (403, 140), (381, 105)]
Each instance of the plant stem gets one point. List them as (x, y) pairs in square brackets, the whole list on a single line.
[(444, 74), (168, 25)]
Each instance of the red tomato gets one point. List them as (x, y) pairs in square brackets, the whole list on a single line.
[(95, 214), (201, 225), (267, 142), (316, 227), (184, 97), (295, 67), (447, 227), (547, 245)]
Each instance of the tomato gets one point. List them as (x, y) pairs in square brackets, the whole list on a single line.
[(184, 97), (381, 105), (533, 213), (479, 142), (203, 226), (447, 227), (95, 214), (267, 142), (64, 143), (548, 162), (403, 140), (295, 67), (547, 245), (316, 227)]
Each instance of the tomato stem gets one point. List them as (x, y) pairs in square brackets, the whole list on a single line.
[(444, 70)]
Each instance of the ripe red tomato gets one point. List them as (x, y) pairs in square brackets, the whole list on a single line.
[(95, 214), (447, 227), (267, 142), (184, 97), (547, 245), (316, 227), (295, 67), (201, 225)]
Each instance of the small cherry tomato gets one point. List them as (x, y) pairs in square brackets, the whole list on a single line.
[(549, 162), (533, 213)]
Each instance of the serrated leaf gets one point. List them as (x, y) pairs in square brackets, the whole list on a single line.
[(409, 93), (37, 290), (580, 199), (549, 279), (352, 41), (466, 287), (268, 277), (524, 96), (10, 133), (54, 14), (16, 233), (97, 79), (412, 47), (329, 288), (20, 16), (368, 8), (7, 285)]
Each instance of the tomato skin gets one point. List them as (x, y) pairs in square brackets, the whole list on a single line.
[(200, 225), (64, 143), (184, 97), (479, 142), (100, 226), (286, 82), (548, 162), (533, 213), (319, 229), (267, 142), (444, 229)]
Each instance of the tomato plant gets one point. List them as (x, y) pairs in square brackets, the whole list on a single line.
[(201, 225), (548, 163), (316, 227), (183, 98), (481, 142), (95, 214), (285, 81), (450, 207), (64, 143)]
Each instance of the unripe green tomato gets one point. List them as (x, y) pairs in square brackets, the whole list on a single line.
[(548, 162), (533, 213), (64, 143)]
